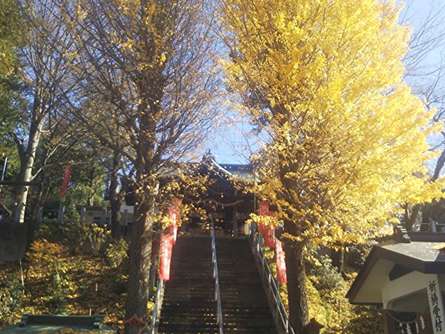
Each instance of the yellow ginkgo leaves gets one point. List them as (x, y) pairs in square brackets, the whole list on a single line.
[(325, 80)]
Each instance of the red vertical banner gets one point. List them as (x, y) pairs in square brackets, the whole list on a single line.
[(266, 231), (263, 208), (65, 181), (269, 237), (165, 253), (174, 214), (281, 263), (168, 240)]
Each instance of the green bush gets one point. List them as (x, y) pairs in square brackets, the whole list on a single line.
[(116, 253), (11, 296), (324, 275), (82, 238)]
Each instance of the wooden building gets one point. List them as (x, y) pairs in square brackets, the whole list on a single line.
[(406, 279)]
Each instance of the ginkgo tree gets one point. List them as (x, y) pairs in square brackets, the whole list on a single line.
[(347, 139), (147, 79)]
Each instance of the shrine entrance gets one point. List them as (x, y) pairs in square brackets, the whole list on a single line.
[(228, 205)]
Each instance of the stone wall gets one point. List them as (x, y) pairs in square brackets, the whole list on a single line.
[(12, 241)]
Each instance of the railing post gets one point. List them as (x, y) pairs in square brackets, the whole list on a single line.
[(219, 316), (156, 313), (280, 313)]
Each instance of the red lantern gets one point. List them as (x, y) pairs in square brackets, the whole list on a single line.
[(281, 263)]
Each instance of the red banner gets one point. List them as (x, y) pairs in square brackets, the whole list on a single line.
[(269, 236), (263, 209), (168, 240), (66, 181), (267, 232), (165, 253), (174, 213), (281, 263)]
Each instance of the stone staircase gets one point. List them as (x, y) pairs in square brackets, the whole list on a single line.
[(244, 303), (189, 306)]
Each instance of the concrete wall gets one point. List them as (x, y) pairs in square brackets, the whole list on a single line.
[(12, 241)]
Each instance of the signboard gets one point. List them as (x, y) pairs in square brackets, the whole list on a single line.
[(436, 306)]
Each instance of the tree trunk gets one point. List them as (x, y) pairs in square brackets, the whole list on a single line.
[(411, 220), (140, 261), (296, 287), (115, 202), (338, 258), (26, 174), (142, 234)]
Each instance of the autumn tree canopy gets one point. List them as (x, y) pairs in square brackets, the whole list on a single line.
[(147, 78), (347, 138)]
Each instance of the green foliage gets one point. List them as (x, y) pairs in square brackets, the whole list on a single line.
[(326, 291), (91, 238), (117, 253), (9, 34), (87, 194), (328, 305), (80, 238), (56, 281), (11, 298), (324, 275)]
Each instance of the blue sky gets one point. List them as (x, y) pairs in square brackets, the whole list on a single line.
[(232, 141)]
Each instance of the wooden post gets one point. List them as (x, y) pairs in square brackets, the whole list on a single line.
[(435, 302), (82, 214), (40, 215), (61, 213), (389, 324)]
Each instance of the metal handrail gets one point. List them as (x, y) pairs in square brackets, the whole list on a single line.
[(158, 304), (278, 309), (219, 314)]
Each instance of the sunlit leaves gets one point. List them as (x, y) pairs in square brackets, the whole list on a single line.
[(325, 80)]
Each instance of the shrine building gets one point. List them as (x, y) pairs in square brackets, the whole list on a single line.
[(405, 277)]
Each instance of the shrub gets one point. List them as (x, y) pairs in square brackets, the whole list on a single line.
[(11, 296), (324, 275), (116, 253), (88, 239)]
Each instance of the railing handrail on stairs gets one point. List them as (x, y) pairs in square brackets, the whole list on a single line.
[(156, 313), (279, 312), (219, 314)]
